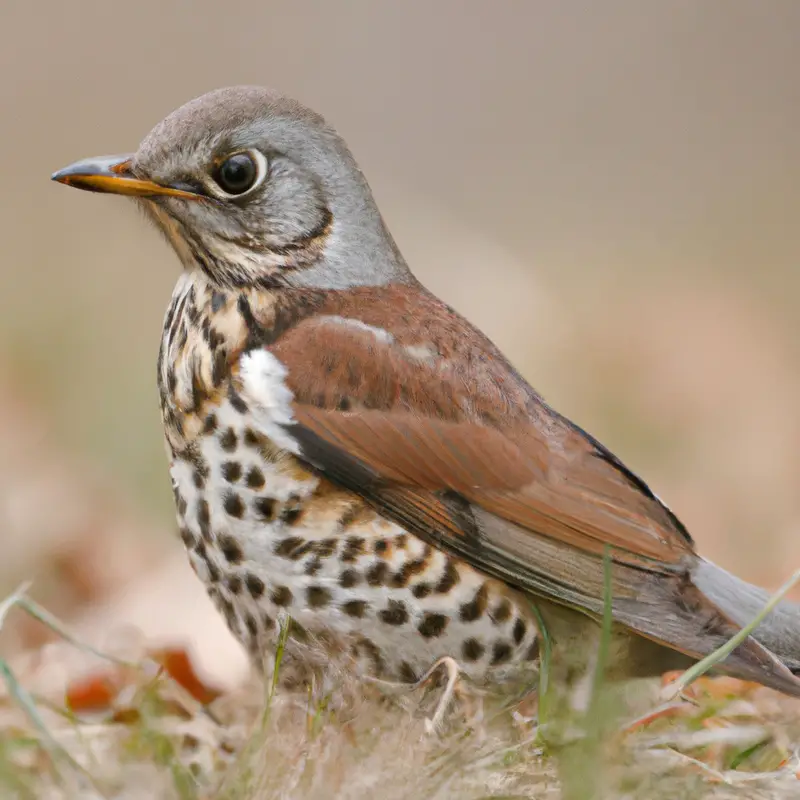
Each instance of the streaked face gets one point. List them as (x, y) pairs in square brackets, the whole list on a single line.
[(227, 200), (255, 190)]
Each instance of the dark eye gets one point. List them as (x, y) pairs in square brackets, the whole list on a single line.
[(240, 173)]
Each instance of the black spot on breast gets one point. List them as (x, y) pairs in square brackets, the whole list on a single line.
[(233, 505), (255, 478), (353, 547), (474, 610), (228, 611), (180, 501), (313, 566), (255, 332), (230, 548), (355, 608), (432, 625), (377, 574), (290, 514), (349, 578), (231, 471), (292, 547), (407, 571), (264, 508), (374, 653), (380, 547), (234, 584), (400, 578), (449, 579), (228, 441), (317, 596), (394, 614), (213, 571), (193, 456), (421, 590), (502, 613), (204, 519), (169, 319), (210, 424), (187, 536), (219, 367), (472, 650), (213, 339), (236, 400), (501, 652), (519, 630), (254, 585), (325, 548), (251, 624), (407, 673), (281, 596)]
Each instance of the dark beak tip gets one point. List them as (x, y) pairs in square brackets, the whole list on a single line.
[(108, 166), (112, 175)]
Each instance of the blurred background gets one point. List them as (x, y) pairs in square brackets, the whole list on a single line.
[(610, 190)]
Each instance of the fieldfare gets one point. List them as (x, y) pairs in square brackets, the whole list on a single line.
[(348, 450)]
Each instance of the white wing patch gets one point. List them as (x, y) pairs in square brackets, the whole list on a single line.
[(425, 352), (264, 388), (380, 334)]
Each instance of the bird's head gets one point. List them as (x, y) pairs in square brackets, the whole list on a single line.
[(253, 189)]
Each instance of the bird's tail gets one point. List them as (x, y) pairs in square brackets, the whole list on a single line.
[(742, 602), (702, 609)]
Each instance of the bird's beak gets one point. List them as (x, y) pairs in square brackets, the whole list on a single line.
[(112, 174)]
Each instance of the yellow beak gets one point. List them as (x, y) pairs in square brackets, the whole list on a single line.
[(112, 174)]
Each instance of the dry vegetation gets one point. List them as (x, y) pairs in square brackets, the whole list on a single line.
[(153, 729)]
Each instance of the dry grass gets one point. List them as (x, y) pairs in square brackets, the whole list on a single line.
[(136, 730)]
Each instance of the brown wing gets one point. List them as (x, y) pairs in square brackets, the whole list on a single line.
[(419, 399), (401, 401), (581, 499)]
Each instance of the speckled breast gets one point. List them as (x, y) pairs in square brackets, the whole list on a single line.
[(268, 537)]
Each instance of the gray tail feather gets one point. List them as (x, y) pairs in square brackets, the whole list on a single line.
[(741, 601)]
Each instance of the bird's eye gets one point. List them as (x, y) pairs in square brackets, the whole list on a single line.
[(240, 173)]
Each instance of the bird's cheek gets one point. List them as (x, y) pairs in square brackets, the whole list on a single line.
[(171, 228)]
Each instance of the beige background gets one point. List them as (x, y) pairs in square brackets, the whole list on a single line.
[(611, 190)]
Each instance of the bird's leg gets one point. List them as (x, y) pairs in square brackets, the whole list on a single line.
[(453, 673)]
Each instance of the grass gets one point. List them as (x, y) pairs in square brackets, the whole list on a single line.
[(349, 739)]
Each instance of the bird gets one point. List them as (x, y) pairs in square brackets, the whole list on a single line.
[(348, 451)]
